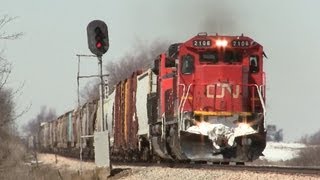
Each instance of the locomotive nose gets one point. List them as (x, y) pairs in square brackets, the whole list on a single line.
[(222, 89), (197, 147), (211, 142)]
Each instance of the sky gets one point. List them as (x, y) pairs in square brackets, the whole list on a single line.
[(45, 61)]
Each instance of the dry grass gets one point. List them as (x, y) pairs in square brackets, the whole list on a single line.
[(309, 156), (12, 151), (45, 172), (15, 164)]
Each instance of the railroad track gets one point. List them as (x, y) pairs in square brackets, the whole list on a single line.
[(230, 167), (253, 168), (273, 169)]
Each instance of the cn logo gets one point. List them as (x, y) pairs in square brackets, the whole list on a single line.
[(221, 89)]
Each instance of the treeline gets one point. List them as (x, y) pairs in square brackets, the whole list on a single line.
[(309, 156), (313, 139), (45, 115)]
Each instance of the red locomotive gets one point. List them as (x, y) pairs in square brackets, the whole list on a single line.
[(203, 100)]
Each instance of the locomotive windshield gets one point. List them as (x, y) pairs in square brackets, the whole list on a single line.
[(210, 56), (232, 56), (187, 64), (227, 56)]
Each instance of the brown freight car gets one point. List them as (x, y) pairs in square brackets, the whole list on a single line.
[(63, 134), (125, 118)]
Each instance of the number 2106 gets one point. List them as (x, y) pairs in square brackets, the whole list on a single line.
[(202, 43)]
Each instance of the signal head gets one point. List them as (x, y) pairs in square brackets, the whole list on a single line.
[(98, 40)]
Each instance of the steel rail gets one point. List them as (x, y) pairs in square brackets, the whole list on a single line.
[(299, 170)]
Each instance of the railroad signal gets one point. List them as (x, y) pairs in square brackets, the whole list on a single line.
[(98, 39)]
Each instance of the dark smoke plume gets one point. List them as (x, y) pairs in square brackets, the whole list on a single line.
[(140, 58), (219, 18), (211, 16), (45, 115), (186, 17)]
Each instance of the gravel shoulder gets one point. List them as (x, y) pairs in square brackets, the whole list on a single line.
[(168, 173)]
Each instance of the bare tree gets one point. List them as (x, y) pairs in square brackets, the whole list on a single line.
[(313, 139), (11, 149), (7, 106), (310, 155), (90, 92), (45, 115), (3, 34)]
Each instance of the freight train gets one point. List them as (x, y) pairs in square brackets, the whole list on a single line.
[(203, 100)]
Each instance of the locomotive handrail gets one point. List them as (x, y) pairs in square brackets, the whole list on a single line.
[(185, 94), (162, 126), (261, 96), (179, 115), (262, 89), (182, 106), (87, 136), (262, 102)]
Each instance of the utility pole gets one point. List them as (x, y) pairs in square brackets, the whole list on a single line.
[(104, 125), (102, 96), (98, 43)]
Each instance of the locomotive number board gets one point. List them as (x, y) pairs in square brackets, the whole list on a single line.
[(240, 43), (202, 43)]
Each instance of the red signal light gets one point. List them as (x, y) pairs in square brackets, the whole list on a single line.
[(98, 40), (98, 44)]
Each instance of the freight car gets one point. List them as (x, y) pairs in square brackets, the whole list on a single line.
[(203, 100), (63, 134)]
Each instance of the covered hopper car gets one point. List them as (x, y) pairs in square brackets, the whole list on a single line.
[(203, 100)]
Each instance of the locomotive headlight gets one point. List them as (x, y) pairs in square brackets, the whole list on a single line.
[(243, 125), (221, 43)]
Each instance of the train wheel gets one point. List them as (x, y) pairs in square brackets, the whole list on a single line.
[(240, 163), (200, 162), (145, 154), (225, 163)]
